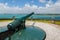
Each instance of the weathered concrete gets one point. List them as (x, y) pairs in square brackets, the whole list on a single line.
[(52, 30)]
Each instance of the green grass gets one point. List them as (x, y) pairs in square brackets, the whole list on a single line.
[(46, 21), (5, 20), (41, 21), (57, 22)]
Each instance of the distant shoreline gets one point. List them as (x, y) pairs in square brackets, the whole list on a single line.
[(27, 19)]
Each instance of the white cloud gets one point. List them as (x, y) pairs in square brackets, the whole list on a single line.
[(54, 8), (49, 3), (6, 9), (6, 3), (42, 1)]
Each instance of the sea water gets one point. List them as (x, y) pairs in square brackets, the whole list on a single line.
[(48, 17)]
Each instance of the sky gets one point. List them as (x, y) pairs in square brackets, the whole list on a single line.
[(28, 6)]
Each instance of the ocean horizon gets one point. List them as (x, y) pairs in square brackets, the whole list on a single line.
[(35, 16)]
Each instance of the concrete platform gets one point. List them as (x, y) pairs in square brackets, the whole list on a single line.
[(52, 30), (3, 26)]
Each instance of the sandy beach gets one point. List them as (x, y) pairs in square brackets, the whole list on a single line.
[(52, 30)]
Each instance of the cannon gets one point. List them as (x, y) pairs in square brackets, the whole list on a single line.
[(18, 23), (14, 27)]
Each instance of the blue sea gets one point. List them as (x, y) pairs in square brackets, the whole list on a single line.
[(35, 16)]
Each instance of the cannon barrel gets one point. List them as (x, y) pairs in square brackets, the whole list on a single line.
[(18, 23)]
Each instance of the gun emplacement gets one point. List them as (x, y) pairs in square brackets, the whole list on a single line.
[(20, 22), (14, 26)]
